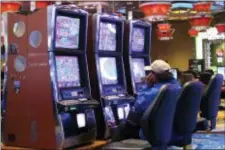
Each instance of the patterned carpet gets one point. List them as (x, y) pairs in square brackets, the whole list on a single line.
[(214, 139), (206, 141), (220, 124)]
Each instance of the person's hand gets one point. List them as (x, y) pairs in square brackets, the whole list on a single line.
[(150, 79)]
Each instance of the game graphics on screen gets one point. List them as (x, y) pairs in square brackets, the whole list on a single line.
[(67, 71), (67, 32), (138, 38), (107, 37), (138, 69), (108, 74)]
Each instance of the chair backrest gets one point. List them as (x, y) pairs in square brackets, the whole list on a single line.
[(157, 120), (187, 108), (211, 97), (205, 77)]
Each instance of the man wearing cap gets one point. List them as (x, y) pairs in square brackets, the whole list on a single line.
[(159, 75)]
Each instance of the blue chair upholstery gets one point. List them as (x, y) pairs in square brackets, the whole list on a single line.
[(156, 123), (210, 103), (185, 117)]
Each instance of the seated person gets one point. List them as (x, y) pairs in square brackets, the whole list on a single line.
[(187, 76), (210, 71), (205, 77), (159, 75), (194, 73)]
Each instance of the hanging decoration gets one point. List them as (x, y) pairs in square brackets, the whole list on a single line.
[(39, 4), (155, 11), (10, 6), (164, 31), (202, 7), (42, 4), (192, 32), (220, 28), (200, 23)]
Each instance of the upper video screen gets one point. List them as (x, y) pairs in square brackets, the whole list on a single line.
[(68, 72), (108, 70), (138, 39), (67, 32), (107, 36), (138, 66)]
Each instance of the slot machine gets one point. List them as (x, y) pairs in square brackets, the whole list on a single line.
[(136, 53), (107, 75), (49, 103)]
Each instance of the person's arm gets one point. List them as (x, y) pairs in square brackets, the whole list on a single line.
[(142, 102), (136, 112)]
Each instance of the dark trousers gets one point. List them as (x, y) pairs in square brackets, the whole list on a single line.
[(125, 130)]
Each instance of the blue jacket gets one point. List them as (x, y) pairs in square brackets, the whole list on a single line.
[(145, 98)]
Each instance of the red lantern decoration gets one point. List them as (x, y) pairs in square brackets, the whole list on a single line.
[(220, 28), (164, 36), (10, 6), (200, 22), (202, 6), (155, 11), (164, 27), (42, 4), (164, 31), (193, 32)]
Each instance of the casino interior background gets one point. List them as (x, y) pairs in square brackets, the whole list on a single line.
[(180, 33)]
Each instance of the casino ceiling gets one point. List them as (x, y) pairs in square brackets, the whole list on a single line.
[(180, 10)]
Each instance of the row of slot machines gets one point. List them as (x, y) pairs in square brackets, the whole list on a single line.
[(70, 76)]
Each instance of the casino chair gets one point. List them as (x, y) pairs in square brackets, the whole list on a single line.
[(156, 123), (210, 103), (185, 117)]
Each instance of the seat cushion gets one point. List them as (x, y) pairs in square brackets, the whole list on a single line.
[(134, 144)]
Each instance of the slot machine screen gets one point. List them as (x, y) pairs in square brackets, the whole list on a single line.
[(138, 40), (174, 72), (221, 70), (107, 37), (138, 66), (68, 73), (67, 32), (108, 69), (81, 122)]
